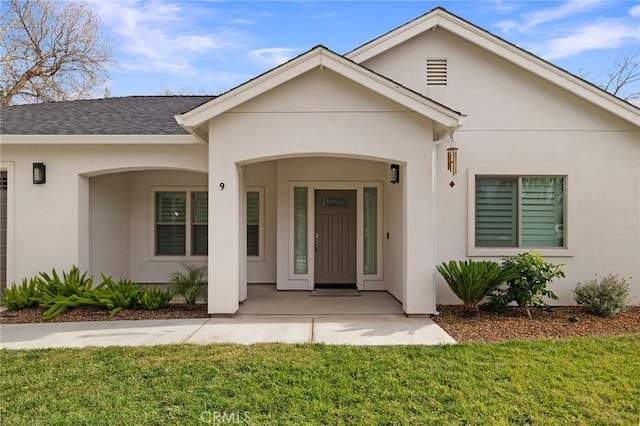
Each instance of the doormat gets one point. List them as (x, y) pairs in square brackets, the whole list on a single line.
[(335, 292)]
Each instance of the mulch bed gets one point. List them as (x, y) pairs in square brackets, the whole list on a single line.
[(487, 326), (555, 322), (93, 313)]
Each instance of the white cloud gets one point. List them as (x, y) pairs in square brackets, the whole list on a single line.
[(506, 26), (635, 11), (158, 37), (273, 56), (553, 14), (607, 34)]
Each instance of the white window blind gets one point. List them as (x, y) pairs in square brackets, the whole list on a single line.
[(370, 230), (171, 208), (496, 212), (300, 230), (520, 212), (199, 223), (181, 223), (542, 212), (253, 223)]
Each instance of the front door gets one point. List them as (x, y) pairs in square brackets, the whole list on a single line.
[(335, 238)]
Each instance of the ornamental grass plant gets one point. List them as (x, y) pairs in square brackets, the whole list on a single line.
[(472, 281)]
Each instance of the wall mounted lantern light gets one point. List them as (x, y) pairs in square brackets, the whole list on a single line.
[(395, 173), (39, 173)]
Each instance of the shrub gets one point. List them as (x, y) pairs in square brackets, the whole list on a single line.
[(473, 281), (51, 286), (117, 295), (154, 298), (189, 283), (21, 296), (605, 297), (529, 285), (58, 295)]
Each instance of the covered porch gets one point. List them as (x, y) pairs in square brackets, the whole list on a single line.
[(264, 299)]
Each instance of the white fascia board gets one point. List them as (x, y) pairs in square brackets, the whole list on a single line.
[(394, 92), (393, 38), (503, 49), (541, 68), (320, 57), (250, 90), (98, 140)]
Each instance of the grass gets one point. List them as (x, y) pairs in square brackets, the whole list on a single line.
[(587, 381)]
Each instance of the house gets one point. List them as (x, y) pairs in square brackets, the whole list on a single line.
[(334, 169)]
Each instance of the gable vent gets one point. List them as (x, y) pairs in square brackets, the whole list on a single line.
[(436, 72)]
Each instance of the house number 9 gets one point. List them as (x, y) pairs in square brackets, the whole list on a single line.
[(221, 186)]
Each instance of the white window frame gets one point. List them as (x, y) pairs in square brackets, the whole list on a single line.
[(260, 191), (152, 220), (473, 250)]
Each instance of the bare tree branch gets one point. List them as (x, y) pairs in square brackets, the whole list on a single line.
[(624, 72), (51, 51)]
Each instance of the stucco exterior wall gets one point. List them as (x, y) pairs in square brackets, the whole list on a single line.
[(53, 220), (264, 175), (320, 114), (520, 124)]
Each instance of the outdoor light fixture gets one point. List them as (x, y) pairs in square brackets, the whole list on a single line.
[(395, 173), (39, 173)]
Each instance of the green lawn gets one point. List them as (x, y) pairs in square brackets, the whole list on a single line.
[(587, 381)]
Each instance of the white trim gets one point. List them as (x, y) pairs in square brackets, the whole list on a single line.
[(8, 166), (357, 186), (99, 140), (319, 57), (260, 191), (152, 224), (498, 171), (439, 18)]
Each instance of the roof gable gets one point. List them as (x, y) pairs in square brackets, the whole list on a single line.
[(441, 18), (320, 57)]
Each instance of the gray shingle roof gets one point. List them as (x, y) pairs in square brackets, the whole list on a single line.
[(131, 115)]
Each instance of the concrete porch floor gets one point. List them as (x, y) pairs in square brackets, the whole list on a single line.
[(264, 299)]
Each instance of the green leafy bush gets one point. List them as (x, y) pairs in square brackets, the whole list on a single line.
[(606, 296), (117, 295), (58, 295), (21, 296), (473, 281), (51, 287), (190, 283), (154, 298), (529, 285), (73, 290)]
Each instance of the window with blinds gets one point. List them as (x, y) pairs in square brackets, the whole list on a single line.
[(520, 212), (370, 231), (181, 222), (253, 223), (199, 223), (300, 264)]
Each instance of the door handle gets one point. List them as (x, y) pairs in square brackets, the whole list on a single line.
[(317, 242)]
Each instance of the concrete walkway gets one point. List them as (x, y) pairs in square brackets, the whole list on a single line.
[(268, 315), (242, 329)]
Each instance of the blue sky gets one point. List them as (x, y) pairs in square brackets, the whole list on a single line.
[(208, 47)]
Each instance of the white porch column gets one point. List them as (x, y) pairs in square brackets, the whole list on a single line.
[(224, 233), (418, 264)]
